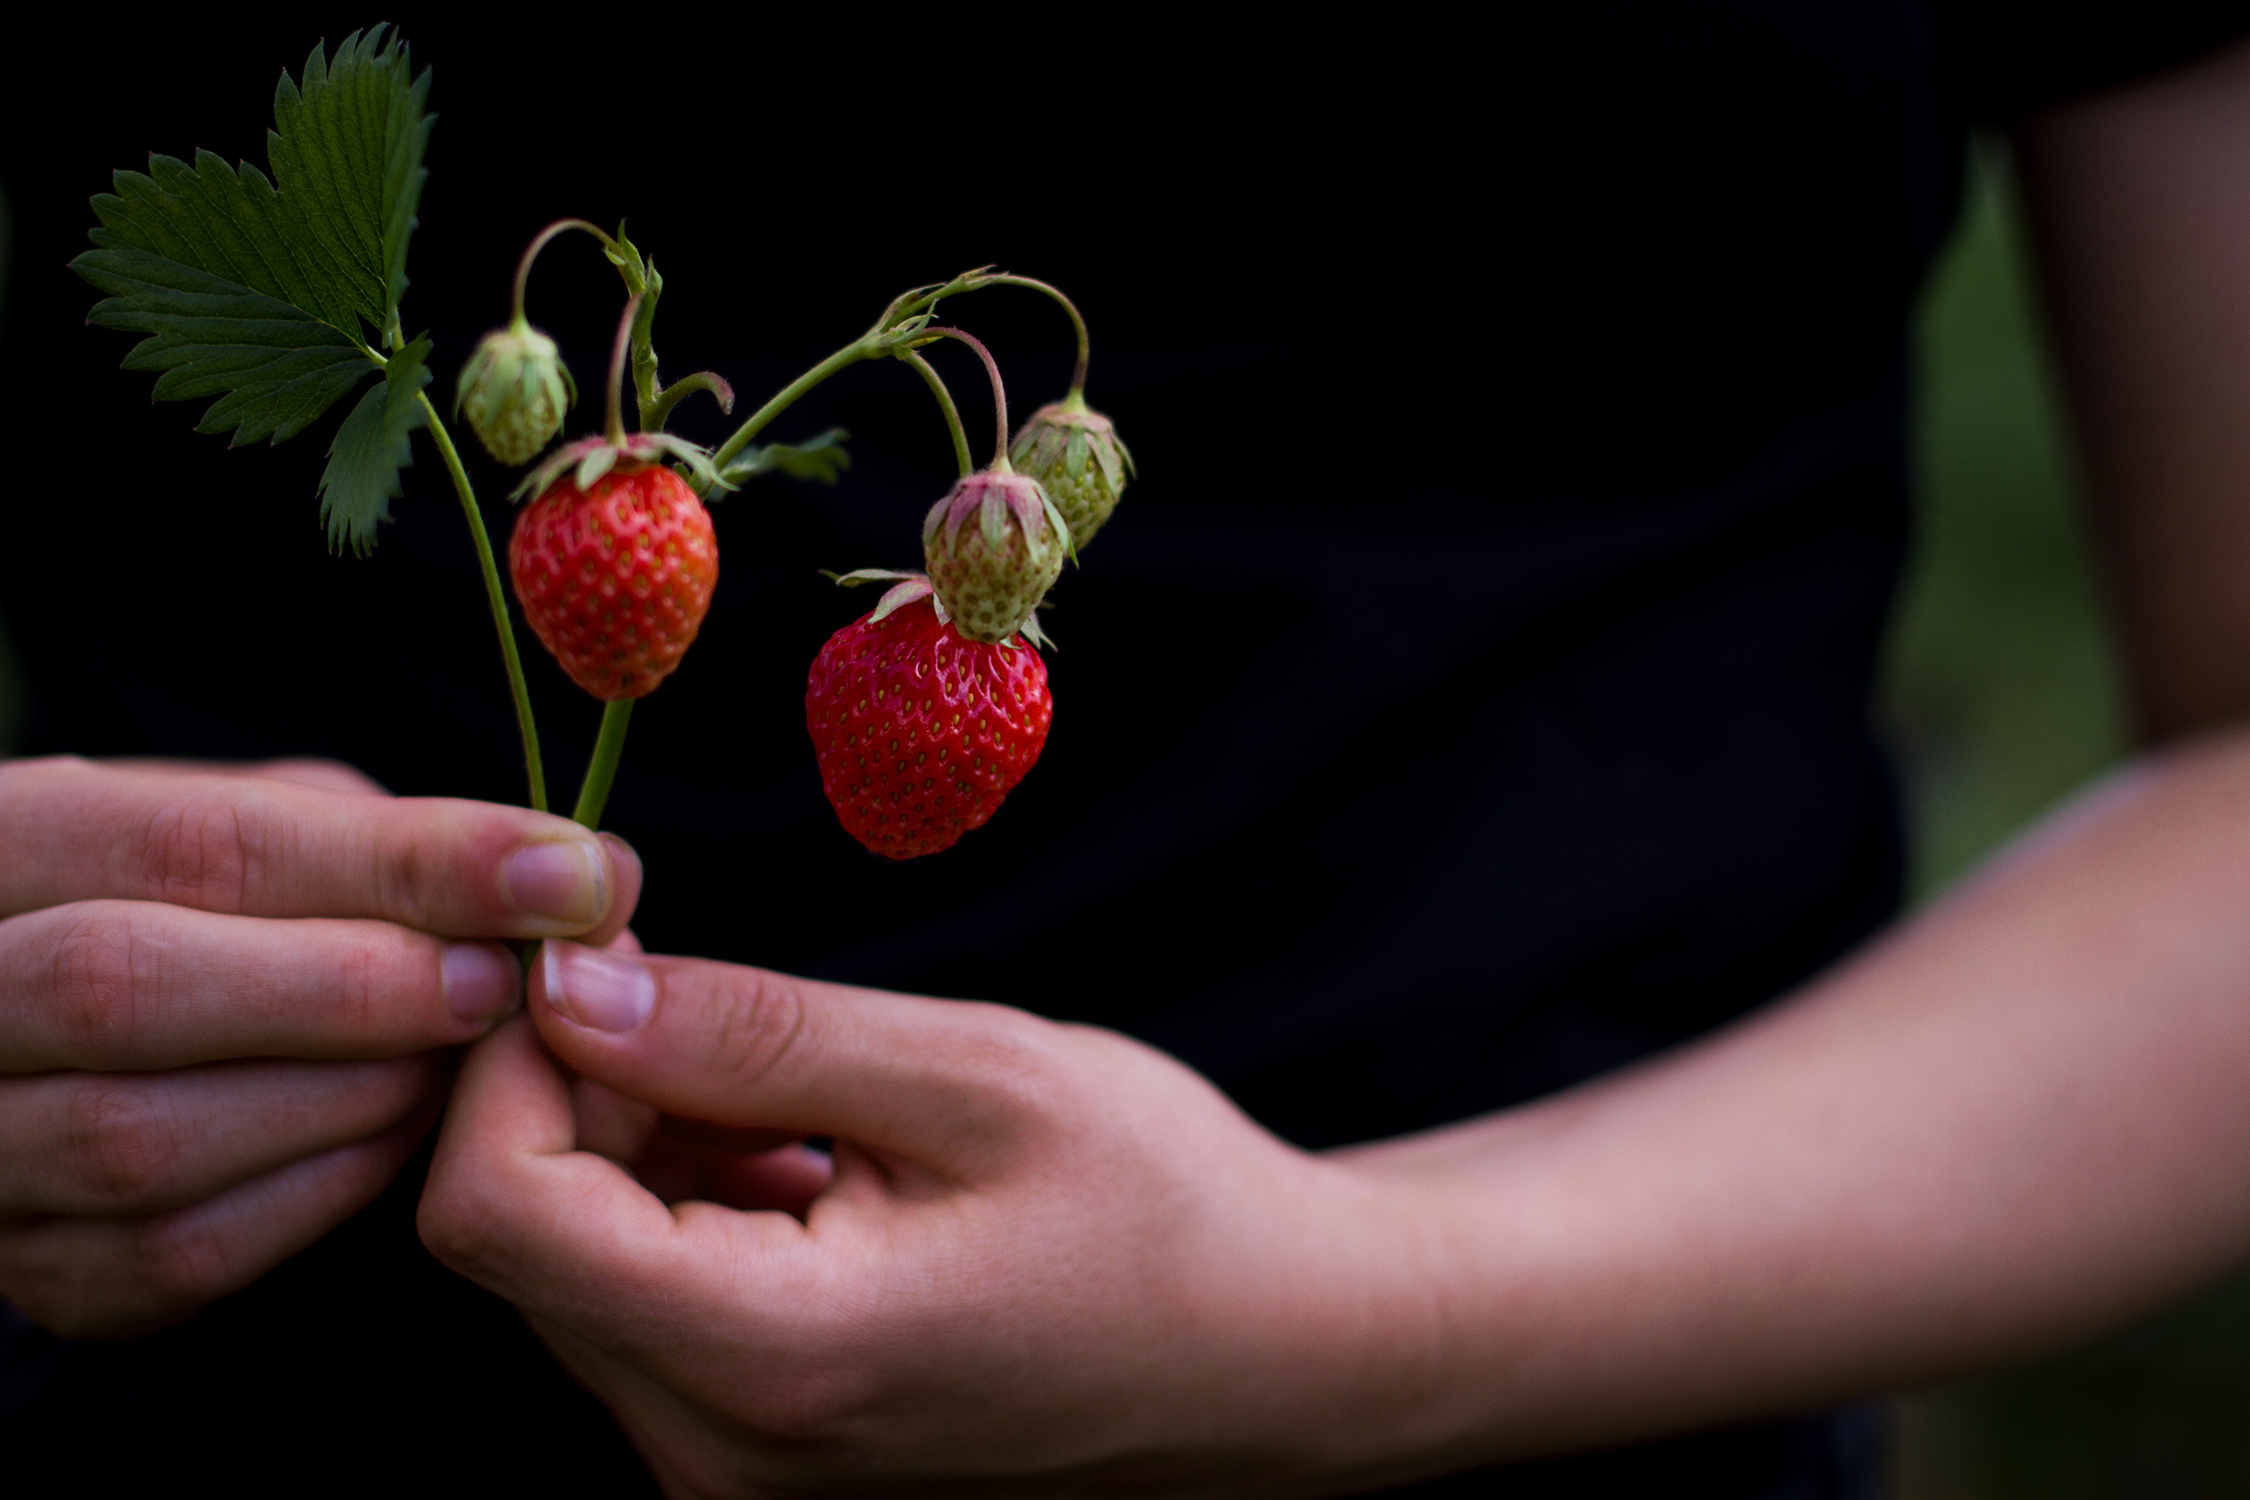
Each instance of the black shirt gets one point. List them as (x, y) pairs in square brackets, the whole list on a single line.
[(1471, 696)]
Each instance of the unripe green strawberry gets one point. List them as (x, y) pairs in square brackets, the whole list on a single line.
[(615, 575), (1073, 451), (515, 389), (993, 547), (919, 733)]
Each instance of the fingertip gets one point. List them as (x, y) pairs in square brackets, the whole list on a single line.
[(562, 885), (482, 982), (596, 989), (624, 891)]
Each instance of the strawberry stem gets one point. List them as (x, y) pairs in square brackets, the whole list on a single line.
[(534, 771), (601, 771), (945, 404), (1085, 345), (644, 351), (614, 425), (999, 393), (656, 413), (531, 253), (900, 322)]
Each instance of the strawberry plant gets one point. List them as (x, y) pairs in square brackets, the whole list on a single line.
[(279, 293)]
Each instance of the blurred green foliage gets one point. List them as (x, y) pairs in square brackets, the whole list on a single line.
[(2000, 690), (2003, 699)]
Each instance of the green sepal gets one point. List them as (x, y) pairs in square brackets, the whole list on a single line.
[(1059, 522), (624, 255), (375, 442), (992, 520)]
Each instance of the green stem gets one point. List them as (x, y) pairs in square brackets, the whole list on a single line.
[(539, 243), (843, 359), (601, 771), (999, 399), (1085, 345), (644, 354), (534, 771), (945, 404), (658, 412), (884, 339), (626, 326)]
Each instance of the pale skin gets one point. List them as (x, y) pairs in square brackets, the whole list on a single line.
[(1048, 1260), (229, 1002)]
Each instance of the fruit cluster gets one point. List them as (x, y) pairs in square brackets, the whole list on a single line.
[(281, 294), (925, 712)]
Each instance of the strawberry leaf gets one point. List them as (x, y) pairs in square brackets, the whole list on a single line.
[(361, 480), (273, 297), (822, 460)]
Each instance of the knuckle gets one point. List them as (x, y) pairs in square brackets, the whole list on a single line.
[(92, 1007), (453, 1225), (204, 847), (407, 875), (182, 1260), (363, 986), (808, 1408), (760, 1021), (1021, 1065), (120, 1147)]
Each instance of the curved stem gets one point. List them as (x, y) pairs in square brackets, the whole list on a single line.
[(535, 772), (539, 243), (945, 404), (657, 412), (844, 358), (1085, 345), (614, 427), (601, 771), (999, 393)]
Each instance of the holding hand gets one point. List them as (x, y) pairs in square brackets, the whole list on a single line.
[(1050, 1260), (222, 999)]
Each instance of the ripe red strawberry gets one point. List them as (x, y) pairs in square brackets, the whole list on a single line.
[(920, 734), (615, 577)]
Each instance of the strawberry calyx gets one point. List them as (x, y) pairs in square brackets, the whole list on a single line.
[(991, 496), (909, 587), (592, 457)]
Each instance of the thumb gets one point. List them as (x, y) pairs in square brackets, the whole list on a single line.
[(948, 1084)]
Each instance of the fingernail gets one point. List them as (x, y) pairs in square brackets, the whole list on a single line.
[(599, 990), (480, 980), (560, 881)]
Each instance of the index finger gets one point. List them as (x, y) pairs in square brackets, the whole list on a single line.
[(71, 830)]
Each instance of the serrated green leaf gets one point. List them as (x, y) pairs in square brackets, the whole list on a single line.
[(271, 297), (274, 367), (375, 442)]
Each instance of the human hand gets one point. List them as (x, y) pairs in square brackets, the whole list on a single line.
[(1050, 1260), (222, 995)]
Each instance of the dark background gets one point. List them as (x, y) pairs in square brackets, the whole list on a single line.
[(1306, 316)]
